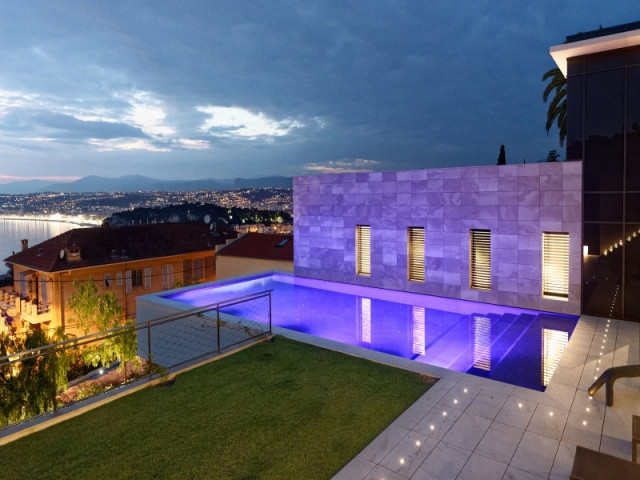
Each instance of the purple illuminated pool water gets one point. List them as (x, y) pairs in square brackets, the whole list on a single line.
[(516, 346)]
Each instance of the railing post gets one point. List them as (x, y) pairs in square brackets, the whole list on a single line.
[(269, 312), (149, 339), (218, 326), (55, 384)]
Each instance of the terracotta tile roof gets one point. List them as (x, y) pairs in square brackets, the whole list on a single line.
[(264, 246), (108, 245)]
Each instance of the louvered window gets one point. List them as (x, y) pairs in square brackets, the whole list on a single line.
[(415, 240), (128, 281), (555, 265), (363, 250), (198, 269), (147, 278), (167, 276), (480, 259)]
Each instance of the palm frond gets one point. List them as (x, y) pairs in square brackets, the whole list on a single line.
[(557, 110)]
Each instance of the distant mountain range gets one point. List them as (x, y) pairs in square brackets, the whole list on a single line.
[(139, 183)]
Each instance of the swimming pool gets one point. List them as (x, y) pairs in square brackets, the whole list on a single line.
[(516, 346)]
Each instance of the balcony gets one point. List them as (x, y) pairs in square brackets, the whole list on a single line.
[(35, 313)]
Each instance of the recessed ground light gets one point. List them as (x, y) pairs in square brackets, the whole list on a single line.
[(402, 461), (519, 405), (417, 443), (432, 427), (465, 390), (455, 400), (584, 422), (551, 414), (444, 414)]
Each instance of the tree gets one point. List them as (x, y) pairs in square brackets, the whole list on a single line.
[(553, 156), (29, 386), (557, 111), (103, 312), (502, 158)]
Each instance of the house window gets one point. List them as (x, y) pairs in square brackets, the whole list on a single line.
[(167, 276), (198, 269), (415, 241), (147, 278), (133, 278), (480, 259), (363, 250), (44, 291), (107, 280), (136, 277), (555, 265), (119, 279)]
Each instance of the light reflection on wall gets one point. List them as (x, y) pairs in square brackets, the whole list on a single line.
[(554, 342), (482, 343), (418, 330), (365, 320)]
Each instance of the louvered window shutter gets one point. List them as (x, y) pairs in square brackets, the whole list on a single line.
[(363, 250), (415, 239), (555, 265), (480, 259)]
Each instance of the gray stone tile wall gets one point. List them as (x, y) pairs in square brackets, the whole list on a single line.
[(516, 202)]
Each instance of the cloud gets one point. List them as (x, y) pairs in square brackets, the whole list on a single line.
[(147, 113), (277, 88), (13, 178), (344, 166), (70, 126), (190, 144), (234, 122), (119, 144)]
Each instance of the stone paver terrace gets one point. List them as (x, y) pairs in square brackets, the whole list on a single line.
[(466, 427)]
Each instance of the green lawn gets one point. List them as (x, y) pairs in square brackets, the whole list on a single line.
[(282, 410)]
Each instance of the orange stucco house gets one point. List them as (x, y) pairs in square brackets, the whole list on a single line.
[(128, 261)]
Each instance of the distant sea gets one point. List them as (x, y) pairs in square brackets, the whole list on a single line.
[(36, 231)]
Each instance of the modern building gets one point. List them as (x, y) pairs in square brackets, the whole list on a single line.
[(127, 261), (507, 234), (254, 253), (603, 132)]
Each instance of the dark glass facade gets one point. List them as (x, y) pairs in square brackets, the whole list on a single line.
[(603, 130)]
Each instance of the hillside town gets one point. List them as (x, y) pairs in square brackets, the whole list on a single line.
[(103, 204)]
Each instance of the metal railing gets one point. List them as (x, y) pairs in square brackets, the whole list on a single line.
[(187, 336), (162, 344)]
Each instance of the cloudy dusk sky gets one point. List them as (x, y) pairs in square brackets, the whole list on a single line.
[(197, 89)]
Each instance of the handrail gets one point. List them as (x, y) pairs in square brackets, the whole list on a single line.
[(207, 308), (112, 332)]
